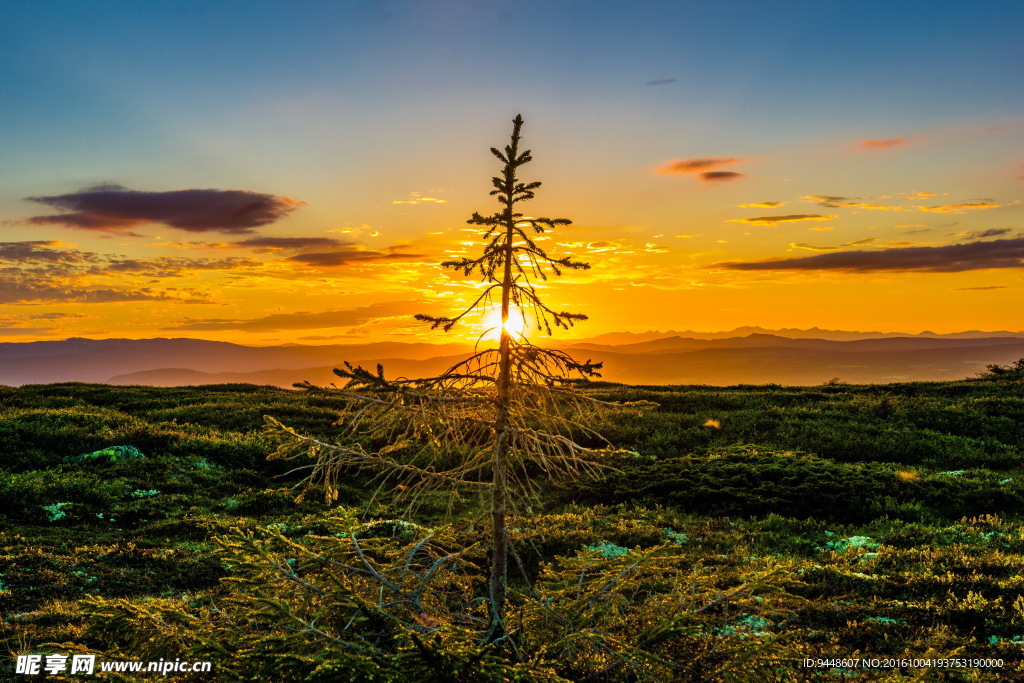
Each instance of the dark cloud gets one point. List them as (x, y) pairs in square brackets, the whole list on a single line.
[(43, 252), (979, 289), (695, 165), (719, 176), (991, 232), (114, 208), (306, 320), (772, 220), (349, 257), (661, 81), (951, 258), (271, 244)]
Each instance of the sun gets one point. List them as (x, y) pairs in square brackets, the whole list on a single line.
[(490, 324)]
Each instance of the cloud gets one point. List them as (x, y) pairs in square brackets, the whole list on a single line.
[(979, 289), (857, 243), (266, 245), (415, 198), (43, 251), (168, 266), (834, 202), (42, 272), (661, 81), (720, 176), (25, 324), (991, 232), (19, 289), (307, 320), (804, 245), (882, 144), (113, 208), (952, 258), (763, 205), (772, 220), (347, 257), (961, 208), (695, 165)]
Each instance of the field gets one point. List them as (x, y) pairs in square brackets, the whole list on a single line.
[(748, 529)]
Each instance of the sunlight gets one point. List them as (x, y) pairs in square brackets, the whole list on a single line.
[(491, 324)]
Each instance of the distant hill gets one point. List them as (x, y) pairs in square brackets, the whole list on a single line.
[(754, 358), (98, 360)]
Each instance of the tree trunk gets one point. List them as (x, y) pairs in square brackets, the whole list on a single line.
[(499, 527)]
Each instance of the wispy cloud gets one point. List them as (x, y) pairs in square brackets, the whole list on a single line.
[(306, 320), (698, 165), (952, 258), (351, 256), (835, 202), (113, 208), (980, 205), (661, 81), (982, 234), (810, 247), (888, 143), (979, 289), (763, 205), (268, 245), (793, 217), (417, 198)]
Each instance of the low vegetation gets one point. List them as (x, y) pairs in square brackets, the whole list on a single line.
[(743, 530)]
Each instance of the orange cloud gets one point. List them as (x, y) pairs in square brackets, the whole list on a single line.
[(882, 144), (416, 198), (804, 245), (763, 205), (961, 208), (918, 195), (695, 165)]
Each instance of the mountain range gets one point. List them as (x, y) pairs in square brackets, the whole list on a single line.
[(741, 356)]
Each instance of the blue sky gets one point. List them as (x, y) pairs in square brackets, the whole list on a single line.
[(359, 110)]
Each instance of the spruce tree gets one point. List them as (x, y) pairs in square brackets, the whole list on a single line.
[(494, 421)]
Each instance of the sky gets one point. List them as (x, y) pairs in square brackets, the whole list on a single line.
[(265, 172)]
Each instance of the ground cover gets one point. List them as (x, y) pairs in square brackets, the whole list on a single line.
[(839, 522)]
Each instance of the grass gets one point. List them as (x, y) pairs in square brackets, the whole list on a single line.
[(894, 513)]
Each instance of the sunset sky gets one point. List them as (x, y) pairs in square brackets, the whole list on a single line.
[(269, 172)]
